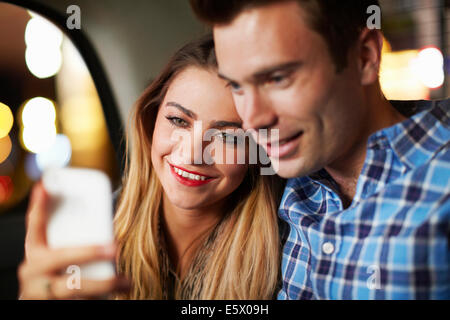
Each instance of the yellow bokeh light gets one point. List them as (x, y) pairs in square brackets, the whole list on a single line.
[(6, 120), (5, 148), (397, 78)]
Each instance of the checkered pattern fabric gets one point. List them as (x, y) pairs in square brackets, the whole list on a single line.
[(393, 240)]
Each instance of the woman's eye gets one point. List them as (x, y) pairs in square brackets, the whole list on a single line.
[(178, 121), (235, 88)]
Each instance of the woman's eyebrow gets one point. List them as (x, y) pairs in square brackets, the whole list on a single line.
[(225, 124), (186, 111)]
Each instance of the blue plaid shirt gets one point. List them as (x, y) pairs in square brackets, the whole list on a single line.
[(393, 241)]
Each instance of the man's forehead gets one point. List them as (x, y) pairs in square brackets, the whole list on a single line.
[(250, 44), (273, 13), (264, 27)]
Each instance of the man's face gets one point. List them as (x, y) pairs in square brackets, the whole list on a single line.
[(283, 77)]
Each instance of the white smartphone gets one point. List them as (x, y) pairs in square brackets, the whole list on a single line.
[(80, 214)]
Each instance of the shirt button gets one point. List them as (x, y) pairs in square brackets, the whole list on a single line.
[(328, 248)]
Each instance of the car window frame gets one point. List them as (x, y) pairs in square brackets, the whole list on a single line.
[(91, 59)]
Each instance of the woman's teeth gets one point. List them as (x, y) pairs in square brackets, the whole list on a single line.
[(188, 175)]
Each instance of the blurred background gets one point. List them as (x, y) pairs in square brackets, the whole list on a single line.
[(65, 94), (415, 61)]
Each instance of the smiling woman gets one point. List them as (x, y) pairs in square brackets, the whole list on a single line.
[(185, 229)]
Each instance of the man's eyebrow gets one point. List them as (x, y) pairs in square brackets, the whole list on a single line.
[(225, 124), (186, 111), (266, 71), (272, 69)]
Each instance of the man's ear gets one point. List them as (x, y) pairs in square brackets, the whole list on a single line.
[(370, 44)]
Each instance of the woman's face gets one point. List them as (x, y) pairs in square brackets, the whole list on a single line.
[(194, 171)]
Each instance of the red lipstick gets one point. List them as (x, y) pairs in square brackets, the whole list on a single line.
[(190, 181)]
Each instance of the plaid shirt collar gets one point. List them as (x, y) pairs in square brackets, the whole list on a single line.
[(414, 142), (418, 139)]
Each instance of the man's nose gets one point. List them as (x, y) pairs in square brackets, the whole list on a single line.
[(257, 112)]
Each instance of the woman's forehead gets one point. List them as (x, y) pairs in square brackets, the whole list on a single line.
[(202, 92)]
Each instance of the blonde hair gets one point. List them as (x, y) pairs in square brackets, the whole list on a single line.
[(246, 257)]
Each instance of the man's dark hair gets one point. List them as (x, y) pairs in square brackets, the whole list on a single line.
[(339, 22)]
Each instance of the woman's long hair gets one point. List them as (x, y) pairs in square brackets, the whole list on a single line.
[(246, 257)]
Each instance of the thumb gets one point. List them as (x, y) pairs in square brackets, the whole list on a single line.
[(36, 219)]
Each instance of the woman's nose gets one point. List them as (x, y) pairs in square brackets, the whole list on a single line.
[(190, 147)]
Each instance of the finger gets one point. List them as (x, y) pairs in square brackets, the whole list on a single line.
[(66, 287), (55, 260), (36, 219)]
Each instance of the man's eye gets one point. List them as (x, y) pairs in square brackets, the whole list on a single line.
[(278, 79), (177, 121)]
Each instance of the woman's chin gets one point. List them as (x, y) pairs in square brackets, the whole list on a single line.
[(187, 204)]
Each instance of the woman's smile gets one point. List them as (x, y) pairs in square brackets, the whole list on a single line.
[(189, 178)]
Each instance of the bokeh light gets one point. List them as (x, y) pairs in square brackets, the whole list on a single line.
[(43, 54), (6, 188), (40, 32), (429, 67), (57, 156), (38, 120), (37, 139), (33, 14), (6, 120), (43, 63), (397, 78), (38, 111), (5, 148)]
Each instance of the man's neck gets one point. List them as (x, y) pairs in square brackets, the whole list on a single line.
[(346, 169)]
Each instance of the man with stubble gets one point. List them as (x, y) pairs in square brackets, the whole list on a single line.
[(368, 197)]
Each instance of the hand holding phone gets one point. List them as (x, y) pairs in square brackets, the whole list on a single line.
[(42, 273), (80, 213)]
